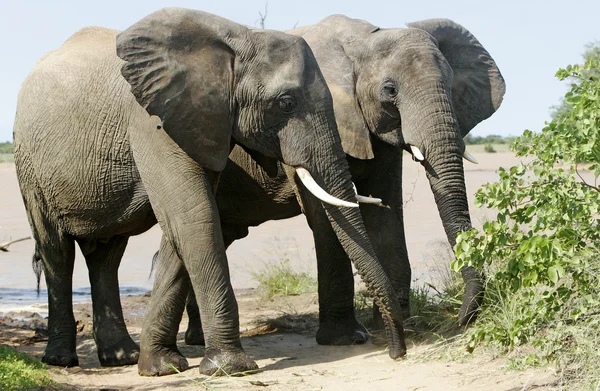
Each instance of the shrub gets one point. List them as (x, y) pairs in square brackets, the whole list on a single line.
[(541, 251), (489, 148), (281, 279)]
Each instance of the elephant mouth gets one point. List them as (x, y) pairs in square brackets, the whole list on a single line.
[(316, 190)]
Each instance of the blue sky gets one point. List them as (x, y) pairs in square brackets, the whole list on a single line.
[(529, 39)]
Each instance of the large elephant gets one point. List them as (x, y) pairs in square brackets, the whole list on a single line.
[(419, 89), (107, 144)]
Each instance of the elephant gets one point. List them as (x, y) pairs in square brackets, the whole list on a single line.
[(116, 131), (419, 89)]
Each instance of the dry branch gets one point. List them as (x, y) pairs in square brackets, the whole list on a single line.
[(4, 246)]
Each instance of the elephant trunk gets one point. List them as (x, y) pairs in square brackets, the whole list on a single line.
[(329, 168), (443, 160)]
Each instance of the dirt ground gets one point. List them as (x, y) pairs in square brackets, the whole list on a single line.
[(279, 335)]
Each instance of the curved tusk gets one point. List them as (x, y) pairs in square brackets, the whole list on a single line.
[(365, 199), (317, 191), (417, 153), (470, 157)]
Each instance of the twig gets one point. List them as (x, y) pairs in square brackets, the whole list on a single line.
[(583, 180), (263, 17), (4, 246)]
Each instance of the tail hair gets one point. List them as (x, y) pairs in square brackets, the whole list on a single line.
[(38, 268), (154, 259)]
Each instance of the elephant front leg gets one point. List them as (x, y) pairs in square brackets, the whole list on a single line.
[(337, 320), (181, 193), (385, 225), (194, 335), (115, 346), (158, 343)]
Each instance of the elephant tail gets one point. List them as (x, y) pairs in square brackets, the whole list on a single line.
[(38, 267), (154, 259)]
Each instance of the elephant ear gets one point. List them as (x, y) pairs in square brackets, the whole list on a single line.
[(478, 86), (326, 40), (180, 67)]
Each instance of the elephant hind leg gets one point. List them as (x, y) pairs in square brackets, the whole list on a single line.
[(194, 335), (115, 346), (55, 252)]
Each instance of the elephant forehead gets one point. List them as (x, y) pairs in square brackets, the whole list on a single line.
[(401, 39)]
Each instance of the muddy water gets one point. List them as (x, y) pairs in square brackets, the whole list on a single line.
[(273, 241)]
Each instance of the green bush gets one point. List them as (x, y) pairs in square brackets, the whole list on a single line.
[(281, 279), (541, 251), (489, 148), (6, 148), (20, 372)]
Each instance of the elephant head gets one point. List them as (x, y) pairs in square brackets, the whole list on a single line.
[(213, 82), (420, 89)]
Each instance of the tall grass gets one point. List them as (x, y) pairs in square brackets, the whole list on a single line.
[(281, 279), (530, 334)]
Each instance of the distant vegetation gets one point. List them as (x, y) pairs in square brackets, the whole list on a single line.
[(6, 148), (488, 140), (6, 153)]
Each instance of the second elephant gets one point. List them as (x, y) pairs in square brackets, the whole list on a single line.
[(421, 90)]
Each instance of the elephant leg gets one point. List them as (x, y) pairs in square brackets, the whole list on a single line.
[(115, 346), (194, 335), (337, 320), (57, 252), (158, 344), (182, 196), (386, 230), (385, 225)]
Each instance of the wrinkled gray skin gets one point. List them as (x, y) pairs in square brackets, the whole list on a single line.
[(95, 168), (426, 86)]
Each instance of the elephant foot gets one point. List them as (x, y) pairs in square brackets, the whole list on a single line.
[(194, 336), (60, 358), (162, 362), (126, 352), (349, 333), (222, 363)]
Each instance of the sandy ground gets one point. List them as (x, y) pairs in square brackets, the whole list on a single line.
[(289, 359)]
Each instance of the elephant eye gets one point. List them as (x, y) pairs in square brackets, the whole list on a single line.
[(287, 104), (390, 90)]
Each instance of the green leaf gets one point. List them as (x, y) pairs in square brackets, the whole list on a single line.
[(553, 274)]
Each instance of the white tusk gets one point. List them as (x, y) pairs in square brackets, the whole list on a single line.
[(470, 157), (417, 153), (368, 200), (317, 191), (365, 199)]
